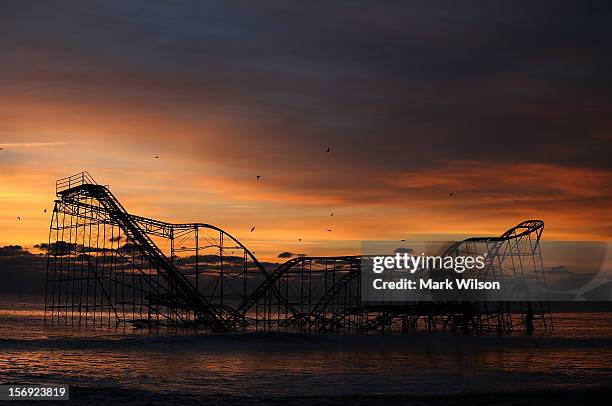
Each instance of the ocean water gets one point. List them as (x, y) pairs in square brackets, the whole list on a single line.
[(573, 364)]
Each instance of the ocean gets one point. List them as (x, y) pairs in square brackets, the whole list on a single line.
[(573, 364)]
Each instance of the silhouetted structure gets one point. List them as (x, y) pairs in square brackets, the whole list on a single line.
[(107, 267)]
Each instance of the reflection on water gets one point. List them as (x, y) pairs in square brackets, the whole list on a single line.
[(577, 354)]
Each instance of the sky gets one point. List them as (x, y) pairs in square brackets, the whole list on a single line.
[(508, 107)]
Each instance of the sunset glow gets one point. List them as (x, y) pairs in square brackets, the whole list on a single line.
[(508, 147)]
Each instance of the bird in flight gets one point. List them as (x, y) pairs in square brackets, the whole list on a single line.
[(299, 239), (156, 156), (332, 214), (18, 218), (451, 194), (45, 210), (252, 229), (328, 149), (258, 176), (403, 240), (329, 230)]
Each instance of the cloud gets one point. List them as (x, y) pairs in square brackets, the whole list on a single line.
[(559, 270), (402, 250), (499, 104), (14, 251), (59, 248), (288, 254), (22, 272), (347, 81), (210, 263)]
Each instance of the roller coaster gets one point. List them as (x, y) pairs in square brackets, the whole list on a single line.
[(107, 268)]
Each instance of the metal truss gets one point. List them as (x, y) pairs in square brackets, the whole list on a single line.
[(107, 267)]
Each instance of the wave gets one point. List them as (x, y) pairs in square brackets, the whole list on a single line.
[(303, 342)]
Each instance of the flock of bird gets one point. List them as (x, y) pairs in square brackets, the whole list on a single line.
[(329, 230), (258, 177)]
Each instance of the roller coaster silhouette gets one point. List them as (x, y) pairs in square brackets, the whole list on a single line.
[(105, 268)]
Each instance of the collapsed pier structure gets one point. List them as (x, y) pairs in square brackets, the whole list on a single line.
[(107, 267)]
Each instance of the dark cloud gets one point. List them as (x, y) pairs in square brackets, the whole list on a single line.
[(212, 263), (559, 270), (14, 251), (435, 81), (403, 250), (63, 248), (602, 292), (288, 254), (22, 272), (503, 104)]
